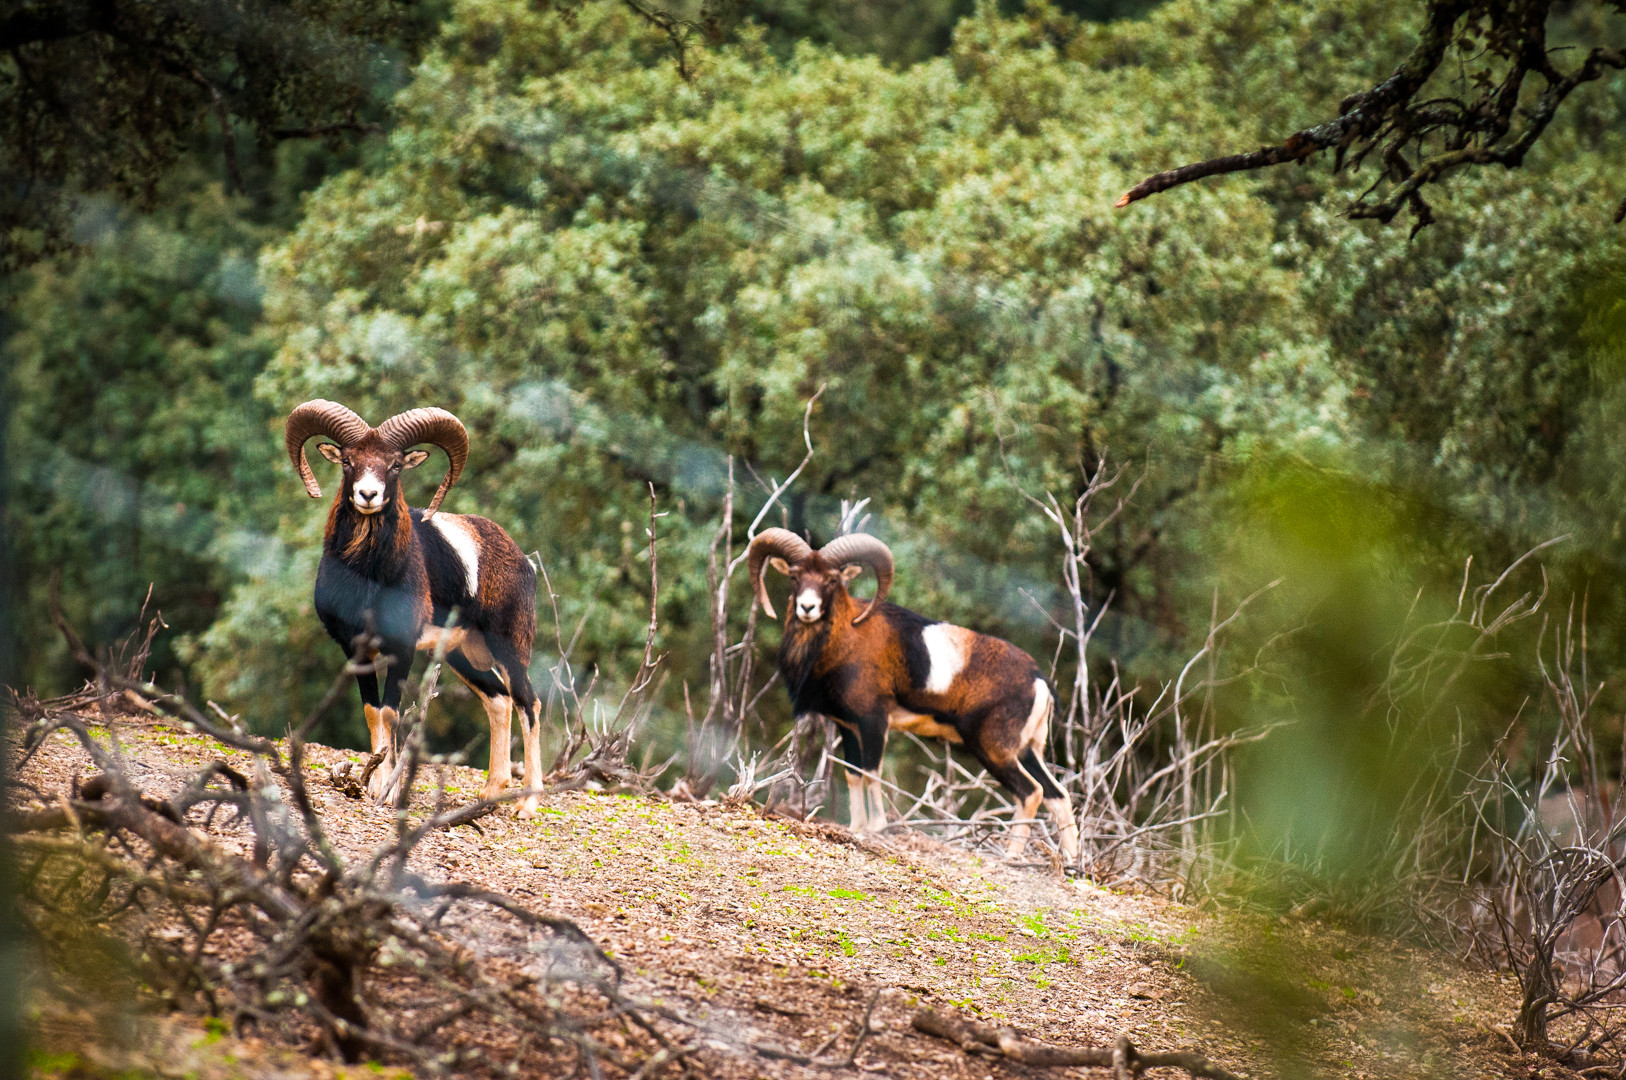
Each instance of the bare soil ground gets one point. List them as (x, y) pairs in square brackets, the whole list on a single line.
[(784, 929)]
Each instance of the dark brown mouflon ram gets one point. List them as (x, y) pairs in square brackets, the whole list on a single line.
[(874, 667), (401, 574)]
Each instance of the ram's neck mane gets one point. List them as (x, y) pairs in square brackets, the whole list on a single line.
[(799, 651), (843, 608), (373, 545)]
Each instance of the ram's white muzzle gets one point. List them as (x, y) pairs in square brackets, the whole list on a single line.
[(809, 605), (367, 494)]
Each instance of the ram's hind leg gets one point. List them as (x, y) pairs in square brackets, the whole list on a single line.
[(1028, 795), (530, 726), (510, 665), (500, 717), (491, 687), (1056, 802), (1036, 736), (1003, 765)]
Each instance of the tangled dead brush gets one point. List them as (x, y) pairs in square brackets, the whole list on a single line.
[(227, 898), (224, 893)]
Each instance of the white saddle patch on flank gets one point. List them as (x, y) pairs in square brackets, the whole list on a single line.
[(947, 647), (1039, 717), (467, 546)]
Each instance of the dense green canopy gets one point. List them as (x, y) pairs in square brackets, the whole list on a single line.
[(108, 96), (615, 275)]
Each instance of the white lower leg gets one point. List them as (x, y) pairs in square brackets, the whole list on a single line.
[(1025, 811), (1061, 809), (857, 810), (1059, 806), (531, 738), (381, 736), (497, 716), (877, 803)]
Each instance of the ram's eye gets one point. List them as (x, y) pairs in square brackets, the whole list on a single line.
[(394, 469)]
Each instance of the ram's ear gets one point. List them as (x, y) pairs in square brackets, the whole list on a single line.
[(332, 453), (850, 571), (414, 458), (779, 564)]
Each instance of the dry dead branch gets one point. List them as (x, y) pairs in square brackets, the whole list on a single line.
[(1421, 129), (598, 739), (714, 741), (1123, 1058), (1550, 899), (255, 917)]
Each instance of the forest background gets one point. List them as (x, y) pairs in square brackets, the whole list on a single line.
[(628, 253)]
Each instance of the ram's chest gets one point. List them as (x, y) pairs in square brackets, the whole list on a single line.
[(801, 663), (348, 602)]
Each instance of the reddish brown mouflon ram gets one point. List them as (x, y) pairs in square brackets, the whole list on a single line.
[(900, 670), (401, 573)]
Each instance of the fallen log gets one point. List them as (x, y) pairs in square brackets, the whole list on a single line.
[(1122, 1057)]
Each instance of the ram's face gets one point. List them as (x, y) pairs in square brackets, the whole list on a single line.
[(814, 587), (372, 472)]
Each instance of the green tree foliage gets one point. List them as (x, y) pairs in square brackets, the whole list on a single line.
[(897, 31), (614, 275), (108, 95), (141, 454), (617, 275)]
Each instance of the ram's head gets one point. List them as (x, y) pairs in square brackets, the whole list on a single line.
[(372, 457), (818, 578)]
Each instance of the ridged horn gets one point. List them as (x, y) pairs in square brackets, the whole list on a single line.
[(436, 427), (319, 417), (865, 549), (782, 542)]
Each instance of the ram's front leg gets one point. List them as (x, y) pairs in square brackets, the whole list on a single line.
[(863, 743), (852, 755), (383, 729), (872, 733), (381, 738)]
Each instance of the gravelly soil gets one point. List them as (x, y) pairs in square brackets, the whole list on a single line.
[(784, 929)]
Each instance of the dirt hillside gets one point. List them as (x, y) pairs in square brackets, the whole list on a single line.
[(786, 929)]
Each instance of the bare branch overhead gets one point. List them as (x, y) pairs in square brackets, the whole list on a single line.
[(1487, 113)]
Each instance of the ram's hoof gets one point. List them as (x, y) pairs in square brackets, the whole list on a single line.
[(377, 792)]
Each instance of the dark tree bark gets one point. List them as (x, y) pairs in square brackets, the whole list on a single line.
[(1420, 139), (107, 95)]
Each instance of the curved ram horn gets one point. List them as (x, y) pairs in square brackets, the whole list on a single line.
[(865, 549), (436, 427), (319, 417), (782, 542)]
